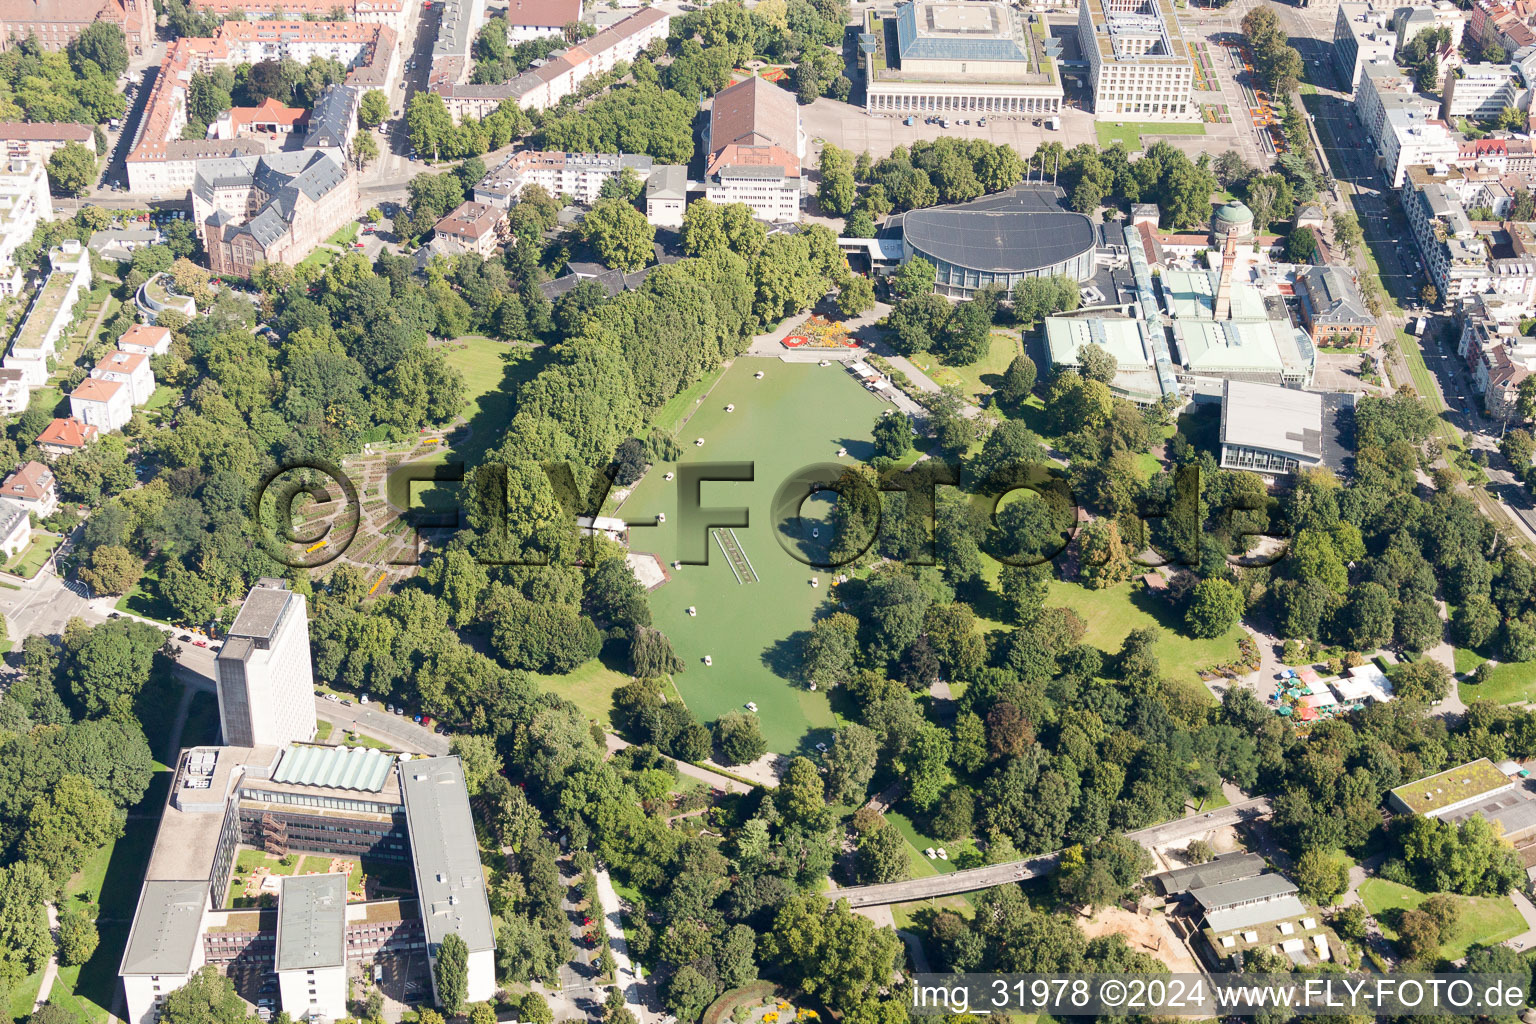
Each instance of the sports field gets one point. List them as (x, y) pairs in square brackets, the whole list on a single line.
[(796, 416)]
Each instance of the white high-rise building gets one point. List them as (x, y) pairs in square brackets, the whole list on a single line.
[(266, 684)]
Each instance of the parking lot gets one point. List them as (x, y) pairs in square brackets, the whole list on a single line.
[(849, 127)]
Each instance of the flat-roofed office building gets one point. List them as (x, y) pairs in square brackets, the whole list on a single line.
[(312, 946), (446, 859), (976, 57), (1138, 63), (1275, 430)]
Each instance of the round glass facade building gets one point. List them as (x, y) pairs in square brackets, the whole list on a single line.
[(1001, 239)]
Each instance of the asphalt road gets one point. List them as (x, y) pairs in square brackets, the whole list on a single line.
[(45, 604), (971, 879)]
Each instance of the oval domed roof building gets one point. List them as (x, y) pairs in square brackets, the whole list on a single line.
[(1000, 239)]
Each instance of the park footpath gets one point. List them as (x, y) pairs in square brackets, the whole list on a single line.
[(723, 783), (51, 971), (639, 995)]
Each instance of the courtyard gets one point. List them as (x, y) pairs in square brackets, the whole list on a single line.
[(798, 415)]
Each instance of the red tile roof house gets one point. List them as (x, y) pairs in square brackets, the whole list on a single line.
[(104, 404), (33, 486), (146, 339), (130, 368), (65, 437), (470, 228)]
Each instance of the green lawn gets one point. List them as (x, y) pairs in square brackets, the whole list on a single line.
[(321, 257), (1511, 682), (247, 861), (323, 730), (164, 395), (590, 687), (320, 864), (141, 601), (799, 414), (980, 377), (1111, 615), (1483, 921), (1129, 133), (30, 561), (110, 879), (347, 235), (357, 739), (24, 995), (677, 408), (493, 371), (917, 843)]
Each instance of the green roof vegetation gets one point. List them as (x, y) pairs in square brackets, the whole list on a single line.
[(50, 300), (1429, 795)]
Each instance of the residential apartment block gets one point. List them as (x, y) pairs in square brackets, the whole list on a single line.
[(1464, 260), (1491, 21), (38, 141), (106, 405), (1362, 34), (471, 228), (754, 144), (1415, 137), (160, 162), (24, 202), (545, 86), (64, 437), (578, 175), (130, 369), (1498, 356), (1138, 63), (534, 19), (33, 487), (367, 12), (666, 196), (52, 310)]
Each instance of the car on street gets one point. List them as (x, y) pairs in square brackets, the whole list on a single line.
[(199, 643)]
